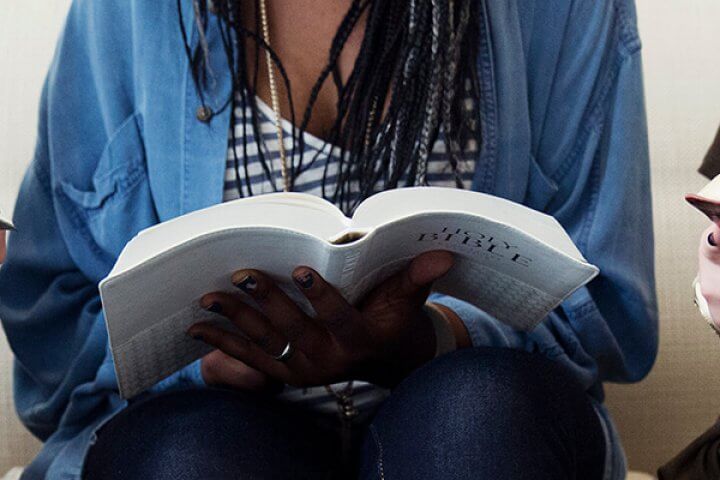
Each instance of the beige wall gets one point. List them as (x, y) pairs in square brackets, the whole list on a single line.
[(681, 397), (28, 31), (681, 40)]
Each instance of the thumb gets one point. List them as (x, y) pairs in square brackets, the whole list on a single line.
[(423, 271)]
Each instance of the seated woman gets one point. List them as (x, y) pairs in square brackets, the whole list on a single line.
[(152, 110)]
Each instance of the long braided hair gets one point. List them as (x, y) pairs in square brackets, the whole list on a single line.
[(417, 57)]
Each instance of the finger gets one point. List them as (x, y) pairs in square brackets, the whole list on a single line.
[(244, 350), (284, 315), (420, 274), (220, 369), (251, 322), (333, 311)]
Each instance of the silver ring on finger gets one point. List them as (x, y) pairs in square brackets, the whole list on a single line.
[(285, 354)]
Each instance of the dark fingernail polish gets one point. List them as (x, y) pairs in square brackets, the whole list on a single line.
[(711, 240), (305, 280), (214, 307), (247, 284)]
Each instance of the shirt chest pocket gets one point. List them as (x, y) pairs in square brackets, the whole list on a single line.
[(541, 190), (118, 202)]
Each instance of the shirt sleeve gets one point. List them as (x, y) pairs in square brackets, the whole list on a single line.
[(608, 329), (53, 319), (49, 300)]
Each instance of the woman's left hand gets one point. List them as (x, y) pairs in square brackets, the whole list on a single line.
[(381, 340)]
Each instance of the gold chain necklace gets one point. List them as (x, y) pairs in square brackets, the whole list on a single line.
[(274, 96), (346, 408)]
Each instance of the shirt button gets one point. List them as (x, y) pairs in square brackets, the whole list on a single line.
[(204, 113)]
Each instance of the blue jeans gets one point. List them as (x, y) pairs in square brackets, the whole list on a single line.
[(481, 413)]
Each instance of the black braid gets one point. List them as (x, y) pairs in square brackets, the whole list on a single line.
[(417, 57)]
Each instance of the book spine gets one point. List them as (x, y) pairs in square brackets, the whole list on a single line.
[(348, 270)]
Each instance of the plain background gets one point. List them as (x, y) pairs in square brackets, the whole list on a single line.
[(682, 72)]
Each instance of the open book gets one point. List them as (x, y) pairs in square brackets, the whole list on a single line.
[(514, 263), (5, 223), (707, 200)]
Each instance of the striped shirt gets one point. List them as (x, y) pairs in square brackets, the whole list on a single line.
[(262, 180)]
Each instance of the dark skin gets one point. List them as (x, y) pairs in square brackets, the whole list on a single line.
[(294, 25), (380, 340)]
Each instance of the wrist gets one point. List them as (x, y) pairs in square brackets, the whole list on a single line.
[(445, 341), (456, 325), (420, 348), (389, 366)]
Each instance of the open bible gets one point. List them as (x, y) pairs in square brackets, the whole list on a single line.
[(514, 263), (707, 200)]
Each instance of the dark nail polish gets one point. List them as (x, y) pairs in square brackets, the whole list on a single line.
[(247, 284), (214, 307), (305, 280), (711, 240)]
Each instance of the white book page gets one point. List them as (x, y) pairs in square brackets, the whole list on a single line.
[(505, 272), (5, 223), (402, 202), (711, 191), (297, 212)]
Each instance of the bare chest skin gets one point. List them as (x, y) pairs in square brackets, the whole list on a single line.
[(301, 34)]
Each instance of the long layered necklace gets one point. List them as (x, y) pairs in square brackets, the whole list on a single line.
[(346, 408)]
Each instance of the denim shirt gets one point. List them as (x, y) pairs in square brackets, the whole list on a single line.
[(120, 148)]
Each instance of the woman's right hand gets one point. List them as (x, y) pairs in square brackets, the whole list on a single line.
[(709, 271)]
